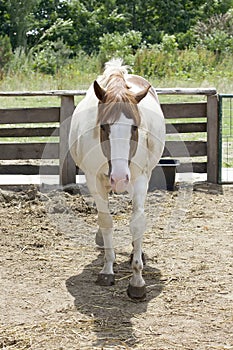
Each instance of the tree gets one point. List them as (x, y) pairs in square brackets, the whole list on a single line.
[(20, 17), (4, 19), (91, 19), (26, 21)]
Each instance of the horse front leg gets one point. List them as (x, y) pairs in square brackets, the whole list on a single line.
[(137, 287), (106, 276), (104, 236)]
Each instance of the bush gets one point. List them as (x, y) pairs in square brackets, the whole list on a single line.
[(51, 56), (168, 44), (20, 61), (119, 45), (215, 34), (192, 63)]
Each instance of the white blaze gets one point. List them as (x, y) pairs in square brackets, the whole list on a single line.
[(120, 136)]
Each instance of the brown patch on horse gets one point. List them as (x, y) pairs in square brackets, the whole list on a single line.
[(104, 139), (133, 142), (137, 80), (142, 83)]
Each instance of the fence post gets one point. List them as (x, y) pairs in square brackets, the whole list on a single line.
[(67, 168), (212, 138)]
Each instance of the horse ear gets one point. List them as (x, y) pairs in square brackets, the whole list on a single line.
[(99, 91), (140, 95)]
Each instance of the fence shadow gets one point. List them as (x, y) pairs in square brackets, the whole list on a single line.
[(110, 307)]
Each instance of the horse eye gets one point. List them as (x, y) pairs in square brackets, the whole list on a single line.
[(134, 128)]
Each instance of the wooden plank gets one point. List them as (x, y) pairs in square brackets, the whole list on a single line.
[(196, 167), (186, 91), (161, 91), (29, 132), (212, 139), (28, 169), (185, 128), (29, 151), (29, 115), (185, 149), (67, 166), (184, 110), (44, 93), (51, 131)]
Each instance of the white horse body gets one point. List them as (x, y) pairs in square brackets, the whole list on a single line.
[(87, 152)]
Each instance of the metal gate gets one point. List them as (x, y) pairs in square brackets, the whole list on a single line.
[(225, 139)]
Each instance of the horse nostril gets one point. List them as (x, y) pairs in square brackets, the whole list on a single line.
[(127, 178)]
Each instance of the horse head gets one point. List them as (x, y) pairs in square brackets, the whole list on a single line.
[(119, 120)]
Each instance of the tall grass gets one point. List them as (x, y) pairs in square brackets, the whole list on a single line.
[(187, 68)]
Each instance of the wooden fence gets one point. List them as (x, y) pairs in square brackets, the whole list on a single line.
[(25, 157)]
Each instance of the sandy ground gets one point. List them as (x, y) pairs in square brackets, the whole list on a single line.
[(49, 264)]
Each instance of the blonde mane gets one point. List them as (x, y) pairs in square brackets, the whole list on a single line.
[(113, 66)]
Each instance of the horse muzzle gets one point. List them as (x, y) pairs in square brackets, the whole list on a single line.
[(119, 184)]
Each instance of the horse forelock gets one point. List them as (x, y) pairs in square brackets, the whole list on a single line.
[(118, 99)]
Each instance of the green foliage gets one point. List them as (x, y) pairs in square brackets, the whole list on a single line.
[(186, 64), (5, 52), (58, 29), (20, 20), (120, 45), (20, 62), (168, 43), (216, 33), (50, 56), (81, 23), (183, 68), (164, 39)]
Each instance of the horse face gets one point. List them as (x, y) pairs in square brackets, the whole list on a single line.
[(119, 144), (119, 117)]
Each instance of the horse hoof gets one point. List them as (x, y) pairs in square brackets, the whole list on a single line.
[(105, 279), (136, 293), (99, 239)]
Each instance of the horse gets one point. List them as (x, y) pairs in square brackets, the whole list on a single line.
[(117, 136)]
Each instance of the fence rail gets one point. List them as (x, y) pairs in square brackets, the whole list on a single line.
[(54, 121)]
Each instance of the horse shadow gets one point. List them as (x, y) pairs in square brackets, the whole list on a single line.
[(110, 308)]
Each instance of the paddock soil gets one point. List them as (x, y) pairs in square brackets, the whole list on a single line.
[(49, 264)]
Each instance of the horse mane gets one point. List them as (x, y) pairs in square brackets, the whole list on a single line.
[(115, 65), (118, 98)]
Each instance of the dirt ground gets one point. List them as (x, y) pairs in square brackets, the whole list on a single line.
[(49, 264)]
